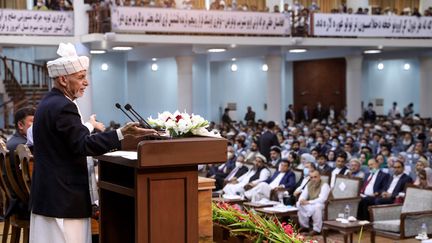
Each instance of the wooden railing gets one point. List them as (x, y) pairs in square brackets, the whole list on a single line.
[(24, 83)]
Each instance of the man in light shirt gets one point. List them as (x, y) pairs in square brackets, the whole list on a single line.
[(340, 168), (257, 174), (395, 185), (311, 203), (283, 179)]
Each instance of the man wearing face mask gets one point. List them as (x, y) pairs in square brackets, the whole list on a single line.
[(304, 180), (239, 170), (60, 200), (223, 169), (311, 203), (371, 189)]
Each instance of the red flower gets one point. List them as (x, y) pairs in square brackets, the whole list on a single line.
[(178, 117), (288, 229)]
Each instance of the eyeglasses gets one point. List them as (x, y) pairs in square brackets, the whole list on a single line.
[(313, 177)]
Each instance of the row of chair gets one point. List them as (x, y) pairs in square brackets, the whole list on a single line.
[(15, 189)]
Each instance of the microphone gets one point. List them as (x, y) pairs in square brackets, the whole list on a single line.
[(143, 122), (119, 107)]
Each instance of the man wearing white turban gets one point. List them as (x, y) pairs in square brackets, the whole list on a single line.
[(60, 197)]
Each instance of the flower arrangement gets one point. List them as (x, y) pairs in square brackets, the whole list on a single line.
[(182, 124), (260, 228)]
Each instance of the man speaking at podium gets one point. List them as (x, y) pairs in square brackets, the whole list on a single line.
[(60, 197)]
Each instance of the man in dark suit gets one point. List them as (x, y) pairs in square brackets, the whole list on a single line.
[(303, 114), (267, 140), (395, 185), (290, 113), (323, 167), (23, 120), (372, 188), (60, 196), (239, 169)]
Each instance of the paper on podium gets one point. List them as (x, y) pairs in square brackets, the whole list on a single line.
[(132, 155)]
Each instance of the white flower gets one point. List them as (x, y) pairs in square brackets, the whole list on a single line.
[(179, 124)]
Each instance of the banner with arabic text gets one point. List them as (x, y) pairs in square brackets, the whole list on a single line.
[(32, 22), (371, 25), (141, 20)]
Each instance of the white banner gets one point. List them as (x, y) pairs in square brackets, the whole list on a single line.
[(141, 20), (32, 22), (371, 25)]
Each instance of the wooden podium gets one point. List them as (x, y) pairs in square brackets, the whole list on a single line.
[(154, 199)]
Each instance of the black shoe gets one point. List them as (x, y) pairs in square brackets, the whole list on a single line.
[(302, 230), (313, 233)]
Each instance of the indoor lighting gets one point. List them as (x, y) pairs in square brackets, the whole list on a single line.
[(215, 50), (380, 66), (122, 48), (154, 59), (97, 51), (154, 67), (104, 67), (297, 50), (233, 59), (372, 51), (234, 67), (265, 67), (407, 66)]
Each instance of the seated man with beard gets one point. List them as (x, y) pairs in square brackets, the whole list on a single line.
[(257, 174), (311, 203), (283, 179)]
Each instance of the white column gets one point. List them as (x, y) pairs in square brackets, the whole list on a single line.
[(425, 86), (354, 87), (184, 83), (85, 103), (274, 88), (81, 17), (355, 4)]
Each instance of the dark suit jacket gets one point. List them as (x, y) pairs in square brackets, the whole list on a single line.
[(400, 185), (60, 186), (288, 180), (380, 182), (326, 170), (289, 114), (267, 140)]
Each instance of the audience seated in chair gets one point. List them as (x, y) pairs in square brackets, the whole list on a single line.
[(222, 170), (239, 170), (304, 180), (355, 169), (424, 178), (395, 185), (372, 189), (257, 174), (340, 168), (322, 166), (282, 180), (311, 203)]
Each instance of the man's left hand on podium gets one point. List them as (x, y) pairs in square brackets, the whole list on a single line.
[(133, 129)]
